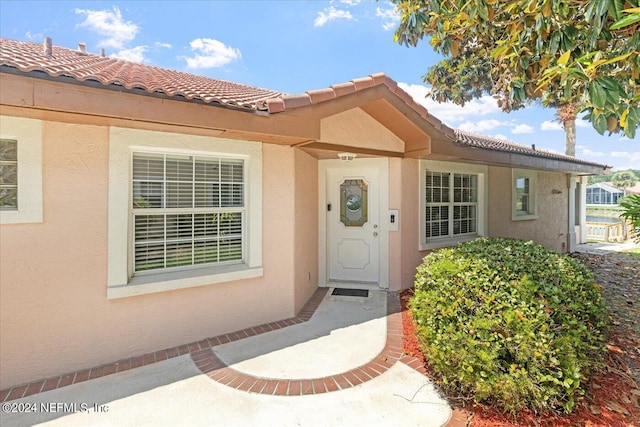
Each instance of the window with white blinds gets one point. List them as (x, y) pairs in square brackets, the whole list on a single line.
[(186, 211), (451, 204)]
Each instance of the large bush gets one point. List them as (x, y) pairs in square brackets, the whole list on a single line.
[(509, 322)]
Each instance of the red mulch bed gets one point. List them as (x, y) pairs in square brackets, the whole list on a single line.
[(610, 392)]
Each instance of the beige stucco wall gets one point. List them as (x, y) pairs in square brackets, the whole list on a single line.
[(550, 229), (54, 313), (395, 237), (356, 128), (404, 253), (410, 224), (305, 220)]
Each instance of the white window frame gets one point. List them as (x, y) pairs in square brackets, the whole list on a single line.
[(532, 212), (241, 210), (121, 282), (28, 134), (454, 168)]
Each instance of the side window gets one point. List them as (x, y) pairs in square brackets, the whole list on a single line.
[(524, 189), (20, 170), (8, 174)]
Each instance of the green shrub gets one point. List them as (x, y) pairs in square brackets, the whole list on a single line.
[(631, 211), (509, 322)]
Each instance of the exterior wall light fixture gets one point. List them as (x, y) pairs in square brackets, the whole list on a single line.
[(347, 157)]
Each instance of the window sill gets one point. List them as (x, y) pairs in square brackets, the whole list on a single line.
[(163, 282), (444, 243), (523, 217)]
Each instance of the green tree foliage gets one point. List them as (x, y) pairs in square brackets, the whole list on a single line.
[(631, 211), (509, 322), (594, 179), (575, 54), (624, 179)]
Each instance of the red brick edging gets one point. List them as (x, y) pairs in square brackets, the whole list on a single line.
[(206, 360)]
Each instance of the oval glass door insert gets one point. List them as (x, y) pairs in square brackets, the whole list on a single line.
[(353, 203)]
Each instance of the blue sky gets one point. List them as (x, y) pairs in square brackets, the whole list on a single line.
[(290, 46)]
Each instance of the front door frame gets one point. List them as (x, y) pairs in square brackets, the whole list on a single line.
[(382, 164)]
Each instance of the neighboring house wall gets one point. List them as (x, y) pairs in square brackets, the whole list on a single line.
[(550, 228), (54, 313)]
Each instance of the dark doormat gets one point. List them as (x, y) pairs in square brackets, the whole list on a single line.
[(351, 292)]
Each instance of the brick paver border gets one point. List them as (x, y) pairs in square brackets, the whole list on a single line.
[(40, 386), (205, 359)]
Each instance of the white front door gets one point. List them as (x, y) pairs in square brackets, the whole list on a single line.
[(353, 226)]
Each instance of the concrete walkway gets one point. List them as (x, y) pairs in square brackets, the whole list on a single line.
[(603, 248), (340, 367)]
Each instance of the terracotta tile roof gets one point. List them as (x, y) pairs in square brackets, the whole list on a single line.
[(633, 190), (487, 143), (288, 102), (87, 67)]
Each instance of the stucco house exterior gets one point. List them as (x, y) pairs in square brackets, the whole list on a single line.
[(144, 208)]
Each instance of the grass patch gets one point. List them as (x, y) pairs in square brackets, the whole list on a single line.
[(634, 252), (604, 211)]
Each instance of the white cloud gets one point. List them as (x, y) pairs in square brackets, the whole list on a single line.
[(110, 24), (633, 157), (449, 112), (331, 14), (210, 53), (34, 36), (390, 18), (551, 125), (480, 125), (349, 2), (500, 136), (589, 152), (555, 125), (522, 129), (135, 54)]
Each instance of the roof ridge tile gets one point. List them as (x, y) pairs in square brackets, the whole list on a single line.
[(362, 83), (490, 143)]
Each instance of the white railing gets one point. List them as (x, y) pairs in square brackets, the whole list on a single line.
[(607, 231)]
